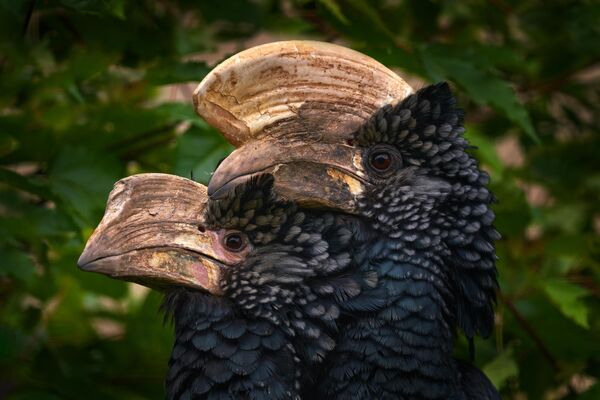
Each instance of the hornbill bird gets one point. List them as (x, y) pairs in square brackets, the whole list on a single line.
[(255, 286), (405, 171), (388, 168)]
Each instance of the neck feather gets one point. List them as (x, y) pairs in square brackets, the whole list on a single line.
[(419, 297)]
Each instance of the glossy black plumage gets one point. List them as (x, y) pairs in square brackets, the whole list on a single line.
[(279, 313), (434, 253), (218, 355), (341, 307)]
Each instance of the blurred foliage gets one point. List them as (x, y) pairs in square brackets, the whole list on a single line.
[(95, 90)]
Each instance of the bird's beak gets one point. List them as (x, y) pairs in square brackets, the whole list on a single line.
[(323, 175), (153, 233)]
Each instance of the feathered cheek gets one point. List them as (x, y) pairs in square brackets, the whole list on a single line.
[(413, 184)]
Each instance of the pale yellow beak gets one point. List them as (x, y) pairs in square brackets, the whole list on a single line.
[(153, 233)]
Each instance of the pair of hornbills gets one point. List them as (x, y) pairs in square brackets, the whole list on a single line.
[(335, 253)]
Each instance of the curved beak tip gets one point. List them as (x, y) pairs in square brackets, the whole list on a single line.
[(213, 189), (85, 260)]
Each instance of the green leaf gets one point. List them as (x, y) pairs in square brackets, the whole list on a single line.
[(33, 394), (16, 264), (11, 343), (568, 297), (198, 153), (107, 7), (372, 14), (486, 150), (67, 322), (7, 144), (568, 217), (66, 263), (513, 214), (502, 368), (592, 393), (82, 178), (24, 183), (181, 112), (335, 9), (483, 87)]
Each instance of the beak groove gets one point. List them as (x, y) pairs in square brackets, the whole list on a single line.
[(329, 175)]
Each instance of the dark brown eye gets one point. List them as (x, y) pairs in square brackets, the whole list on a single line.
[(234, 242), (381, 160)]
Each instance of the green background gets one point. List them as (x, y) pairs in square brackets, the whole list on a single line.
[(94, 90)]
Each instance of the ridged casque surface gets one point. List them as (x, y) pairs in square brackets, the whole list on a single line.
[(292, 88)]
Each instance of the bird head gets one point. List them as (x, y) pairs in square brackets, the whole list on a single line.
[(285, 259), (261, 256), (410, 154)]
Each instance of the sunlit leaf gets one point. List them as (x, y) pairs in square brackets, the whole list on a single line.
[(486, 151), (568, 297), (502, 368)]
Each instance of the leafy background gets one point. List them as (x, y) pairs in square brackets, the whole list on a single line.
[(95, 90)]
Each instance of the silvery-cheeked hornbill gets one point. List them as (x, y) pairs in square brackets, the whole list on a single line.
[(424, 200), (411, 238), (353, 138), (256, 292)]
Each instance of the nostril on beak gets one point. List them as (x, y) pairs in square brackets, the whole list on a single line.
[(201, 229)]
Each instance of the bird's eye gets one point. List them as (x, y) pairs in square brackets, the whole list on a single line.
[(381, 160), (234, 242)]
